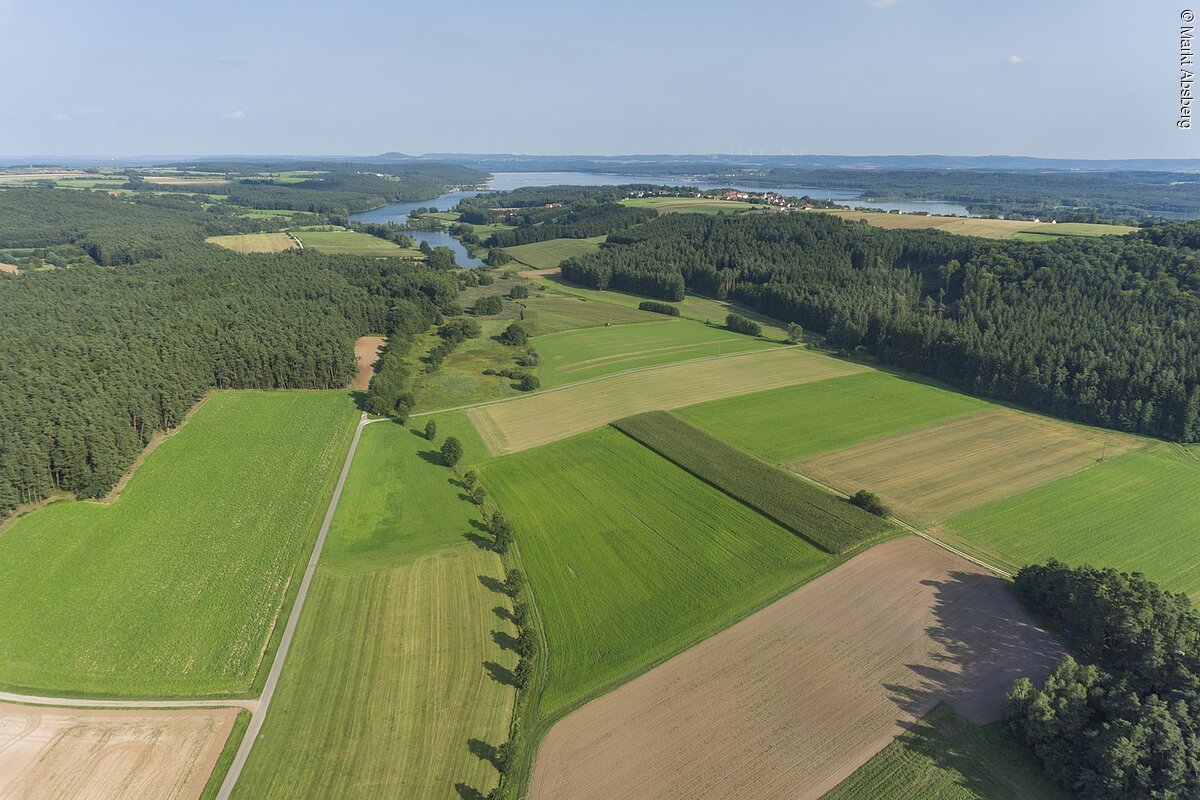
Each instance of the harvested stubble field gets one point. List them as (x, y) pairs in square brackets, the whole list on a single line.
[(11, 269), (58, 753), (388, 681), (794, 422), (255, 242), (826, 520), (367, 350), (794, 698), (1137, 512), (552, 252), (355, 244), (631, 558), (591, 352), (978, 226), (552, 415), (173, 589), (691, 205), (945, 757), (931, 473)]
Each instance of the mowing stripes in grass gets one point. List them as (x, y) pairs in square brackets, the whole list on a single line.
[(824, 519)]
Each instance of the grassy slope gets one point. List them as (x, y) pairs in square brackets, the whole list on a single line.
[(1136, 512), (552, 252), (632, 558), (782, 425), (690, 205), (173, 588), (387, 683), (944, 757), (590, 352), (551, 312), (354, 243)]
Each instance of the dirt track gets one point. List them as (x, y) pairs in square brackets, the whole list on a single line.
[(790, 701), (366, 350), (73, 753)]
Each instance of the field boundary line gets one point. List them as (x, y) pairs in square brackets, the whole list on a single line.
[(250, 704), (635, 370), (264, 700)]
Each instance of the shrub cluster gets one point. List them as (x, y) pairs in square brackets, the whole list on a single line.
[(869, 502), (659, 308), (739, 324)]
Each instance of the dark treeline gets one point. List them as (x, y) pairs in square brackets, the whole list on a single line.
[(1103, 330), (1125, 723), (96, 359), (576, 221)]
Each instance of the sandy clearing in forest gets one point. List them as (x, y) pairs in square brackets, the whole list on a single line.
[(366, 350), (552, 272), (510, 426), (65, 753), (11, 269), (794, 698), (940, 470), (275, 242)]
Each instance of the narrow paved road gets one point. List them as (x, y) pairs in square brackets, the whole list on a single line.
[(264, 700), (249, 704)]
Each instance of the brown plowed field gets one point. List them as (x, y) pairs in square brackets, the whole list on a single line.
[(11, 269), (940, 470), (61, 753), (793, 699), (366, 350), (546, 417)]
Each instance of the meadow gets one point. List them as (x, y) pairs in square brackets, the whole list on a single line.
[(1133, 512), (388, 685), (354, 243), (826, 520), (792, 422), (173, 589), (591, 352), (254, 242), (980, 226), (552, 252), (945, 757), (633, 559), (550, 312), (691, 205)]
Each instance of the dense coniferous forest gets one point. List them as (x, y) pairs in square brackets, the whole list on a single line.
[(1103, 330), (98, 358)]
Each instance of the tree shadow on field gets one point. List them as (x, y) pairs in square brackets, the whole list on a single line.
[(433, 457), (481, 542), (417, 432), (504, 613), (505, 641), (469, 792), (980, 642), (480, 526), (500, 674), (494, 585), (483, 751)]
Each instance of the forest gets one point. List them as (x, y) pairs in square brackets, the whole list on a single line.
[(97, 359), (1100, 330)]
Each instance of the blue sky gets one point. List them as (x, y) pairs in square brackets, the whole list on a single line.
[(1050, 78)]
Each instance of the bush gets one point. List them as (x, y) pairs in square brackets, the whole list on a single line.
[(515, 335), (739, 324), (491, 304), (452, 451), (470, 479), (528, 382), (519, 292), (869, 502), (459, 330), (430, 430), (531, 358), (478, 494), (822, 518), (659, 308), (484, 278)]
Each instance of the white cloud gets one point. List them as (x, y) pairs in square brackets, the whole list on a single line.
[(1016, 60), (236, 115), (884, 3), (60, 117)]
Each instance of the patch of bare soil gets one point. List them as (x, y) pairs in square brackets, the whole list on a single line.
[(791, 700), (366, 350), (11, 269)]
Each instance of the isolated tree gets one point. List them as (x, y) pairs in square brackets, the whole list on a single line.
[(430, 430), (501, 530), (478, 494), (514, 334), (519, 292), (452, 451), (514, 581), (528, 382), (795, 333), (491, 304), (869, 502)]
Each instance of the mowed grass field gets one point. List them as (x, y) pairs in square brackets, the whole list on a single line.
[(1137, 511), (945, 757), (631, 558), (387, 684), (548, 416), (691, 205), (978, 226), (792, 422), (354, 243), (551, 312), (174, 588), (254, 242), (552, 252), (591, 352)]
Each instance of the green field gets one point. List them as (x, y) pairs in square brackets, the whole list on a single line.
[(590, 352), (945, 757), (825, 519), (387, 682), (354, 243), (691, 205), (460, 379), (552, 252), (782, 425), (173, 588), (552, 312), (1135, 512), (632, 559)]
